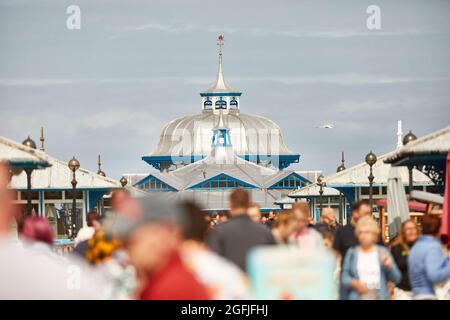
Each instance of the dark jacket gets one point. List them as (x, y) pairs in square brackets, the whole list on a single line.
[(400, 255), (234, 238)]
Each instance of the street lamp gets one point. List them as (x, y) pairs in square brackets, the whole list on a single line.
[(74, 165), (320, 183), (30, 144), (407, 139), (123, 181), (371, 159)]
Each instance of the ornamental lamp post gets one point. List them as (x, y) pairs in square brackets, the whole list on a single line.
[(320, 183), (74, 165), (28, 142), (371, 159), (123, 181), (407, 139)]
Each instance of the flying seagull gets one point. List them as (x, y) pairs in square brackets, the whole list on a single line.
[(326, 126)]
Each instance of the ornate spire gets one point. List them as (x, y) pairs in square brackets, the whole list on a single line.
[(100, 171), (220, 85), (42, 139)]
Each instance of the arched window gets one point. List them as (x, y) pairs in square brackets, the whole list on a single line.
[(207, 104), (234, 103), (221, 104)]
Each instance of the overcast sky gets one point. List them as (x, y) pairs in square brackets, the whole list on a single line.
[(133, 66)]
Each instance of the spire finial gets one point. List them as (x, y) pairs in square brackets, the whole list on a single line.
[(100, 171), (42, 139)]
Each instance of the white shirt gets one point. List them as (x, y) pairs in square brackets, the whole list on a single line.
[(368, 267), (223, 279)]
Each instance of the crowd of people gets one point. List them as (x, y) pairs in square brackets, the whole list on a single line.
[(151, 249)]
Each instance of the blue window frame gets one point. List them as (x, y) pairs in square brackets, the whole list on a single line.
[(222, 181), (151, 183), (221, 104), (292, 181), (207, 104)]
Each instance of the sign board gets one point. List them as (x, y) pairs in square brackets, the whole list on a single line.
[(286, 272)]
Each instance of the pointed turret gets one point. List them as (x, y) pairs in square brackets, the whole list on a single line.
[(220, 95)]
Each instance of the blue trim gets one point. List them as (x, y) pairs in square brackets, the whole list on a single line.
[(94, 197), (143, 181), (222, 177), (284, 161), (220, 94), (293, 174), (24, 164)]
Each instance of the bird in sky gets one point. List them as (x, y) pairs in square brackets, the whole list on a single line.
[(326, 126)]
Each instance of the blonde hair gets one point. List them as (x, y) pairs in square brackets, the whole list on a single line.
[(303, 208), (367, 222), (284, 218)]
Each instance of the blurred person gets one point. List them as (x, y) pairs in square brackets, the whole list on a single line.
[(94, 224), (270, 219), (400, 249), (233, 239), (107, 254), (264, 220), (345, 236), (428, 264), (368, 267), (328, 239), (224, 216), (38, 229), (88, 231), (328, 221), (284, 227), (223, 279), (26, 273), (254, 212), (305, 238), (152, 235)]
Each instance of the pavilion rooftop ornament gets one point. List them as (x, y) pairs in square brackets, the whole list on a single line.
[(42, 139), (371, 159), (123, 181), (29, 143), (409, 137), (342, 166), (100, 171)]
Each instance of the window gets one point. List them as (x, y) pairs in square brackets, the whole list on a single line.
[(207, 104), (78, 195), (234, 103), (290, 182), (154, 184), (222, 181), (34, 195), (53, 195), (221, 104)]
